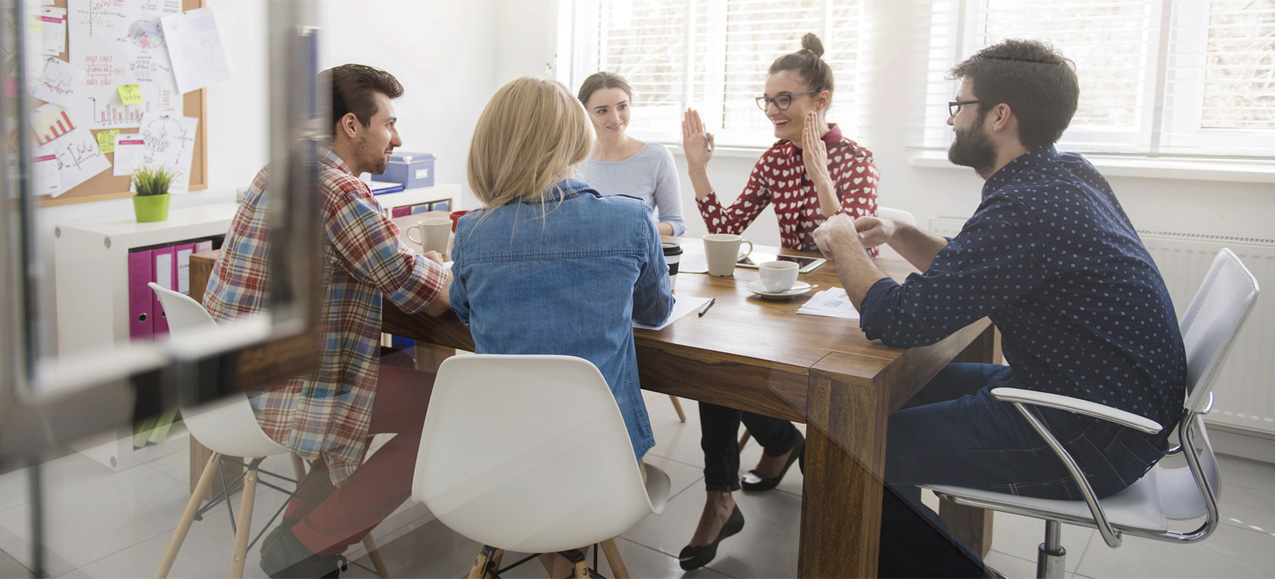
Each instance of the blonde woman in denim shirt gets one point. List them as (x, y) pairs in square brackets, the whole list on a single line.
[(549, 266)]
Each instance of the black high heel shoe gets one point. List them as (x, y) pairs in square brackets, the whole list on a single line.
[(753, 483), (696, 557)]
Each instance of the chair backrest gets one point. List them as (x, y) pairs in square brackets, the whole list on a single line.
[(1209, 326), (1212, 321), (528, 454), (896, 214), (227, 426)]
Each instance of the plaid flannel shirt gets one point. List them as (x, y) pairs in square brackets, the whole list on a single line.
[(327, 412)]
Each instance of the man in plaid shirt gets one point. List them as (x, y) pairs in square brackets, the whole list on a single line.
[(328, 415)]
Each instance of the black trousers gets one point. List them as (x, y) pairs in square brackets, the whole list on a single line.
[(719, 431)]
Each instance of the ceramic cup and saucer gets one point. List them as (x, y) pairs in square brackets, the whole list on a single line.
[(797, 288)]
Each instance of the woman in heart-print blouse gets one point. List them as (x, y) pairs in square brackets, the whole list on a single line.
[(810, 174)]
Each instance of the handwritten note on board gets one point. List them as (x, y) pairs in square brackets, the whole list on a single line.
[(59, 83), (194, 47)]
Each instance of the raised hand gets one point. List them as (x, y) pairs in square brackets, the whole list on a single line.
[(695, 140), (813, 152)]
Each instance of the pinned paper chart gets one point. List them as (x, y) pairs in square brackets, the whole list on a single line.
[(194, 47), (50, 122), (59, 83), (170, 143), (130, 154), (122, 43), (52, 29), (44, 175), (78, 158)]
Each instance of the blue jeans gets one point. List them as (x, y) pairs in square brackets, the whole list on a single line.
[(954, 433)]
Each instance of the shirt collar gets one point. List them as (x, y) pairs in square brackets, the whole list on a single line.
[(830, 138), (1031, 159), (330, 159)]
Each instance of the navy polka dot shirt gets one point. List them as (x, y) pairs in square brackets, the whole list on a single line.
[(1052, 259)]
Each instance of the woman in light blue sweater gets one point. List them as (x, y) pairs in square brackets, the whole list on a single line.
[(620, 164)]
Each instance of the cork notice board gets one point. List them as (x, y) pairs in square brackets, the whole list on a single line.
[(106, 185)]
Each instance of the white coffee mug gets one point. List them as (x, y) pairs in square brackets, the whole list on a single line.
[(433, 232), (722, 251), (778, 276)]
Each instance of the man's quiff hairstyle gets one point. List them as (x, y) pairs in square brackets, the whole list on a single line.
[(354, 88), (1037, 82)]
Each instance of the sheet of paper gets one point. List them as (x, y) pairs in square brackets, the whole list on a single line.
[(832, 303), (53, 30), (50, 122), (106, 141), (194, 48), (130, 153), (58, 83), (78, 158), (170, 143), (681, 307), (44, 175), (122, 43)]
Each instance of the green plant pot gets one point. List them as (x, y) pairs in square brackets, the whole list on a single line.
[(150, 208)]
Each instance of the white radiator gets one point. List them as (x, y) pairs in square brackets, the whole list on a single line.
[(1245, 390)]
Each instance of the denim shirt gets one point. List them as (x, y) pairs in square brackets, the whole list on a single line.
[(565, 277)]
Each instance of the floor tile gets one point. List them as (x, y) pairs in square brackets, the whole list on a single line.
[(1246, 473), (1247, 508), (56, 475), (431, 550), (1010, 565), (1019, 536), (640, 562), (89, 521), (206, 552), (10, 567), (1229, 552)]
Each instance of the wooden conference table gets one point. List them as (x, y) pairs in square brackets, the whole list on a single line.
[(761, 356)]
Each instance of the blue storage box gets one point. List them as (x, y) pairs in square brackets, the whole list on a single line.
[(410, 169)]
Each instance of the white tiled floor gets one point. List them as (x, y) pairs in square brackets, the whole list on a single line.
[(102, 523)]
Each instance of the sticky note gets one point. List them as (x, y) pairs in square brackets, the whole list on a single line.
[(106, 141), (130, 94)]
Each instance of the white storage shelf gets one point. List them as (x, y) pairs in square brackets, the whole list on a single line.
[(91, 269)]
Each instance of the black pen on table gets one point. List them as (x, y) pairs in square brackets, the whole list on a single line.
[(704, 309)]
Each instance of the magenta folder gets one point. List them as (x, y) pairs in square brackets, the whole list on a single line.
[(164, 274), (140, 296)]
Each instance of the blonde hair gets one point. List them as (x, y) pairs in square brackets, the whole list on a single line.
[(531, 133)]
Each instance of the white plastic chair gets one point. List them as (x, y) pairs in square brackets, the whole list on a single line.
[(530, 454), (898, 215), (229, 428), (1144, 508)]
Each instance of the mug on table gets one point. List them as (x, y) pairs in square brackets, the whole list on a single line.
[(432, 233), (722, 251), (778, 276)]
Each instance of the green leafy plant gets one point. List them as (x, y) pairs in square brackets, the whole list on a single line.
[(152, 181)]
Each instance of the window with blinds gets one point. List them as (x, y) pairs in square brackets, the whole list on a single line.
[(711, 55), (1187, 77)]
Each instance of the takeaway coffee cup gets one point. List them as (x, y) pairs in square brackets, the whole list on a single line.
[(431, 233), (722, 251), (672, 256), (778, 276)]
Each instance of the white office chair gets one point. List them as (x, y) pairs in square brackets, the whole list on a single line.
[(530, 454), (898, 215), (1145, 507), (229, 428)]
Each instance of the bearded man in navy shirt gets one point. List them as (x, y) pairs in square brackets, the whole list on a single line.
[(1051, 258)]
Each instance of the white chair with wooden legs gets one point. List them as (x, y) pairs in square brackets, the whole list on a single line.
[(1145, 508), (229, 428), (530, 454)]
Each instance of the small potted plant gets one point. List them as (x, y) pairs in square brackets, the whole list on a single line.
[(151, 201)]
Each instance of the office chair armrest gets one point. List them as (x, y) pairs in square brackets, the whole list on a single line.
[(1078, 406)]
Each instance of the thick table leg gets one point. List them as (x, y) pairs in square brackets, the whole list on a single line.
[(845, 452), (429, 357)]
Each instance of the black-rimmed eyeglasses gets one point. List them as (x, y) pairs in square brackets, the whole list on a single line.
[(782, 102), (954, 107)]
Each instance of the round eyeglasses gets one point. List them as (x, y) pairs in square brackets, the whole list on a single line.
[(954, 107), (782, 102)]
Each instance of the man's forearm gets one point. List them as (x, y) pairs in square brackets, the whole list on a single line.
[(917, 246), (856, 270)]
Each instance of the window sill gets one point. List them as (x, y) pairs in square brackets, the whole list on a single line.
[(1145, 167), (722, 151)]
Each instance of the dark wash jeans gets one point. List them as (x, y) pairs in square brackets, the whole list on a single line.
[(719, 439), (954, 433)]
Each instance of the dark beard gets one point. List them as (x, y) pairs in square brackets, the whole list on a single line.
[(972, 148)]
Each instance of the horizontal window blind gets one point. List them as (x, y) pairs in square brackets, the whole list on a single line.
[(1187, 77), (711, 55)]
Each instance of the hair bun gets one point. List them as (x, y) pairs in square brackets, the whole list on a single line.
[(811, 43)]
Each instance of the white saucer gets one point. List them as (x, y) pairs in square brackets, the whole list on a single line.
[(797, 288)]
